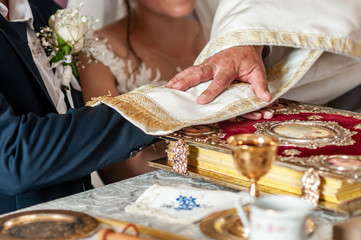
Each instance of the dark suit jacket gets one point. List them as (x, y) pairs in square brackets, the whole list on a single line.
[(45, 155)]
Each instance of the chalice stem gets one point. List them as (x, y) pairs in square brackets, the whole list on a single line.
[(253, 190)]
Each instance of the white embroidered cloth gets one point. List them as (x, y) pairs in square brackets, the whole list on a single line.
[(182, 204), (159, 111), (314, 60)]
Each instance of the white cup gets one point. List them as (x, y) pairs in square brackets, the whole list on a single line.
[(274, 217)]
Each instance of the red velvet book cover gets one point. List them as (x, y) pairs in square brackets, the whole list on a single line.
[(325, 139)]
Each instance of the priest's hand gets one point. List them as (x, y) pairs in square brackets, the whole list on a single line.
[(242, 63)]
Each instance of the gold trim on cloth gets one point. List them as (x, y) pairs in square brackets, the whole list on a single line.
[(145, 106), (130, 105), (279, 38)]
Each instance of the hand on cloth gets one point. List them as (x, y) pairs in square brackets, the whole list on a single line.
[(181, 204), (242, 63)]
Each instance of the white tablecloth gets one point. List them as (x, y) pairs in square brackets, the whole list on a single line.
[(109, 202)]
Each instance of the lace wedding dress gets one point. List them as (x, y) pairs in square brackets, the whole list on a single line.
[(103, 53), (109, 11)]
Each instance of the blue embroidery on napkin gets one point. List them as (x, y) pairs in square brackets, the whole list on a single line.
[(186, 203)]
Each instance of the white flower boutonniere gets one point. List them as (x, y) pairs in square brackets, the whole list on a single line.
[(64, 38)]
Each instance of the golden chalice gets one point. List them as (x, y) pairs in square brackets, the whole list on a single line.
[(253, 155)]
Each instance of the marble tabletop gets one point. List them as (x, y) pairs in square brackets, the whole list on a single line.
[(110, 201)]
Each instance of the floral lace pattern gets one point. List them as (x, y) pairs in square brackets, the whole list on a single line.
[(103, 53)]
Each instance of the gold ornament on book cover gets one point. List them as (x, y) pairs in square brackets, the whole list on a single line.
[(307, 134)]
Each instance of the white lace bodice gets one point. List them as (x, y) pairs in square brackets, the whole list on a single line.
[(103, 53)]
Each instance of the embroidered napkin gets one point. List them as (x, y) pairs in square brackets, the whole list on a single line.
[(182, 204), (296, 49), (159, 111)]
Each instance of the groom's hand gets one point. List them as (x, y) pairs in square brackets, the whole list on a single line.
[(242, 63)]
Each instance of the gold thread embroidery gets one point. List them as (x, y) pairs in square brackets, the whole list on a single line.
[(151, 117), (279, 38), (276, 71)]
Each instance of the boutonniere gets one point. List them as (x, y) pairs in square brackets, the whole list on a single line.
[(66, 36)]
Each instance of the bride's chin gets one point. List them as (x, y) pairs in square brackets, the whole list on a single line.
[(170, 8)]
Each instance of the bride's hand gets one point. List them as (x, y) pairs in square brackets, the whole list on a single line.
[(264, 113)]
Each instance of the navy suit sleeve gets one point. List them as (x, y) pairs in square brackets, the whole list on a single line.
[(37, 152)]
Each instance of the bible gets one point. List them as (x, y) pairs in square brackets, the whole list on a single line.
[(325, 139)]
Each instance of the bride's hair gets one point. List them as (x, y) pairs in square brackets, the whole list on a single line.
[(129, 44)]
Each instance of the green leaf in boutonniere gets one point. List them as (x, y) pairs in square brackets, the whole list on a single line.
[(67, 35), (64, 49)]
